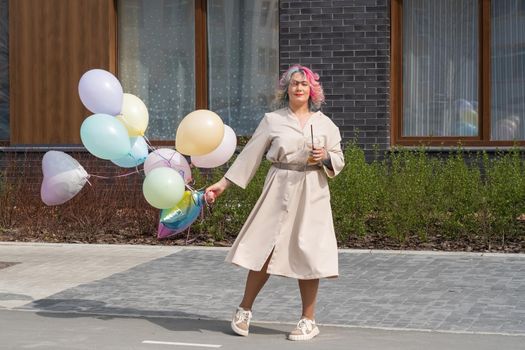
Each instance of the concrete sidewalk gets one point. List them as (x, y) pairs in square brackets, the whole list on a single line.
[(444, 292)]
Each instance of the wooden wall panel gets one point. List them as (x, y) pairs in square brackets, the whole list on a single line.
[(52, 43)]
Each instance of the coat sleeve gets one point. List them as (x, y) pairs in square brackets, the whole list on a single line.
[(333, 146), (245, 166)]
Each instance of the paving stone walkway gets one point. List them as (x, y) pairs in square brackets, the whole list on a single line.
[(442, 292)]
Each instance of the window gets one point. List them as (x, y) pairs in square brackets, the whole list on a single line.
[(156, 50), (180, 55), (458, 72), (242, 60), (508, 70), (4, 71)]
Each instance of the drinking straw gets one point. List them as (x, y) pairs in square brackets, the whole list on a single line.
[(312, 134)]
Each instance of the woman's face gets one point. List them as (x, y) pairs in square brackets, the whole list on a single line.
[(298, 89)]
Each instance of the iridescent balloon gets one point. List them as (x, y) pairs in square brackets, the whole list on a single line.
[(163, 231), (181, 216)]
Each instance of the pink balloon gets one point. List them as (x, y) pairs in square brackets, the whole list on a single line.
[(166, 157), (64, 177), (221, 154)]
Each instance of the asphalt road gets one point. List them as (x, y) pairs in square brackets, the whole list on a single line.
[(57, 331)]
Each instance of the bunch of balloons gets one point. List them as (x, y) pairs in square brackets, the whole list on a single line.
[(116, 132)]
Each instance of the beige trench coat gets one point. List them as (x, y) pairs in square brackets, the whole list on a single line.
[(292, 216)]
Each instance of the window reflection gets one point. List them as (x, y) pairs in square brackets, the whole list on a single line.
[(508, 70), (243, 60), (157, 60)]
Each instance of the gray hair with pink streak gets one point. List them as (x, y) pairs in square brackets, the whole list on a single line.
[(316, 90)]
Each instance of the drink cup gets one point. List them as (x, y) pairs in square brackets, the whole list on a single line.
[(310, 147)]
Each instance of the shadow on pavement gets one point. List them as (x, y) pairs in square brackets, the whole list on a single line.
[(169, 320)]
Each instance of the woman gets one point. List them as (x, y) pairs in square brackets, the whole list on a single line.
[(290, 229)]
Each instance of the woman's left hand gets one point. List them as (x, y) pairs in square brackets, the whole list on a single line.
[(319, 154)]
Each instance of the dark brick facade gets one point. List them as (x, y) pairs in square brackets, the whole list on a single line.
[(348, 44)]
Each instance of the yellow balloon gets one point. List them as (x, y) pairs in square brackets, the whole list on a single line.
[(200, 132), (134, 115)]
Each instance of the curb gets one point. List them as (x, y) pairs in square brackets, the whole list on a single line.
[(177, 248)]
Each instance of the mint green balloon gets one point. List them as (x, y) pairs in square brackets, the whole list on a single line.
[(105, 137), (163, 188)]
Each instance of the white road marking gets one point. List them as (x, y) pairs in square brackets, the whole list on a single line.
[(181, 344)]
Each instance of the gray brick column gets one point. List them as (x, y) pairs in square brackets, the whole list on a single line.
[(348, 44)]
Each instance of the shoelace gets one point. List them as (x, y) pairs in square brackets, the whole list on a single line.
[(303, 325), (243, 316)]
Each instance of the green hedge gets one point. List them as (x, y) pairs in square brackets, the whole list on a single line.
[(405, 192)]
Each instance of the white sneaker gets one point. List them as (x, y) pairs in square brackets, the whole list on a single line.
[(305, 330), (241, 321)]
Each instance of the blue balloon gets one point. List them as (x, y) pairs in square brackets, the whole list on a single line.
[(105, 137), (184, 214), (136, 156)]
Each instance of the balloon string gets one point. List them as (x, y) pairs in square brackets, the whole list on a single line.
[(208, 204), (193, 190), (150, 145), (116, 176), (154, 149), (168, 160)]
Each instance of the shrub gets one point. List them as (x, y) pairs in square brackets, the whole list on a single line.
[(402, 195)]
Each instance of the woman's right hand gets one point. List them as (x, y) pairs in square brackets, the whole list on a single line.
[(215, 190)]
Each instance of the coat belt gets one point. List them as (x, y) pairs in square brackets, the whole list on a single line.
[(296, 167)]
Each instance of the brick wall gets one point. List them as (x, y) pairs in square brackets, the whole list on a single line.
[(348, 44), (23, 167)]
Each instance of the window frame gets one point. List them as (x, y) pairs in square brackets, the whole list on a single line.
[(201, 54), (484, 88)]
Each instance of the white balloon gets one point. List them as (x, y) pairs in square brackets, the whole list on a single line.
[(64, 177), (56, 162), (221, 154)]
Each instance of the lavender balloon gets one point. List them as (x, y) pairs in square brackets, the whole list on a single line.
[(101, 92)]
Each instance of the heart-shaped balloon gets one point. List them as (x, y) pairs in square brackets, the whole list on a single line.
[(64, 177)]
